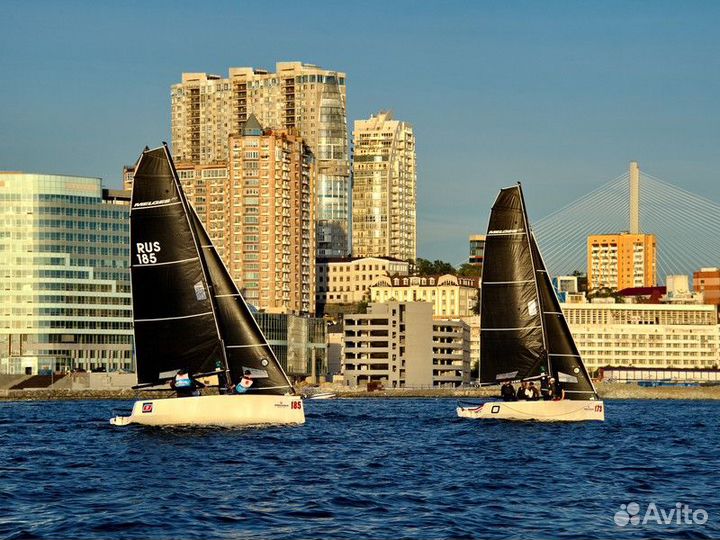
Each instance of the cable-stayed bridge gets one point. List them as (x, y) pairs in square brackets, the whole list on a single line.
[(686, 226)]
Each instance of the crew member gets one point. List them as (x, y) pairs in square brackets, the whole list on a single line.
[(185, 385), (245, 383), (507, 391)]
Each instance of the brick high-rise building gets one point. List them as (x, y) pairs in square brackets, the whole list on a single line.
[(384, 189), (208, 109), (259, 212)]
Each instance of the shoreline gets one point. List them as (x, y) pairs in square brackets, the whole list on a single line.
[(608, 391)]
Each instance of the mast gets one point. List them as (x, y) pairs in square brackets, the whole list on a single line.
[(535, 276)]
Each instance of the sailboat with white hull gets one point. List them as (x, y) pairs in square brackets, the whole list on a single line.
[(189, 315), (524, 334)]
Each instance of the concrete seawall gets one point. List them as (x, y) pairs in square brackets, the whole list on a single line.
[(606, 391)]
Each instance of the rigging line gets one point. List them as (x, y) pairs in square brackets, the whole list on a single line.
[(698, 202), (665, 188), (678, 188), (609, 212), (595, 207), (672, 261), (689, 241), (603, 186), (582, 203), (572, 247), (571, 214), (604, 213), (669, 203), (577, 233), (701, 252), (559, 262), (669, 229)]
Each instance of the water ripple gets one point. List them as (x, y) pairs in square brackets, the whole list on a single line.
[(382, 468)]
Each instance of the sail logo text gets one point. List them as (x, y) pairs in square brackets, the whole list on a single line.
[(680, 514), (146, 252), (153, 203), (505, 231)]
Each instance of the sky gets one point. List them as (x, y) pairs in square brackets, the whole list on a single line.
[(559, 95)]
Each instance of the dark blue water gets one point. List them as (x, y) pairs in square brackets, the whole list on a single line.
[(375, 468)]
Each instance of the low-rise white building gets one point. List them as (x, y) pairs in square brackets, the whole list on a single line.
[(645, 335), (450, 296), (348, 280)]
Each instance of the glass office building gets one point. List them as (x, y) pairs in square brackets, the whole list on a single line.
[(65, 296), (298, 342)]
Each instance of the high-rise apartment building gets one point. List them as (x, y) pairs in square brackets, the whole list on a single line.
[(64, 262), (258, 209), (208, 109), (384, 185), (477, 249), (619, 261)]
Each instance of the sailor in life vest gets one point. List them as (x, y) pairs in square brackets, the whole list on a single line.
[(245, 383), (184, 385)]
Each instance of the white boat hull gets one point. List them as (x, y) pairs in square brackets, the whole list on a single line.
[(322, 395), (565, 410), (220, 410)]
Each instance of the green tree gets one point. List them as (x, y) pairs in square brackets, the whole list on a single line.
[(441, 267), (424, 267), (469, 270)]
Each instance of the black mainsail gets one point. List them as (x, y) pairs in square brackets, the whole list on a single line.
[(187, 310), (524, 333)]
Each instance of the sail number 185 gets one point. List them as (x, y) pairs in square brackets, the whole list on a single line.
[(146, 252)]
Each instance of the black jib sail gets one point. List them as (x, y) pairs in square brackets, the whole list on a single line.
[(566, 365), (246, 349), (188, 312), (524, 333)]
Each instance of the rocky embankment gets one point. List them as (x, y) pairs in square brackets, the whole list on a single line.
[(606, 391)]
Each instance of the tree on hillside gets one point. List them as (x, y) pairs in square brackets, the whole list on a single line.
[(469, 270), (424, 267)]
